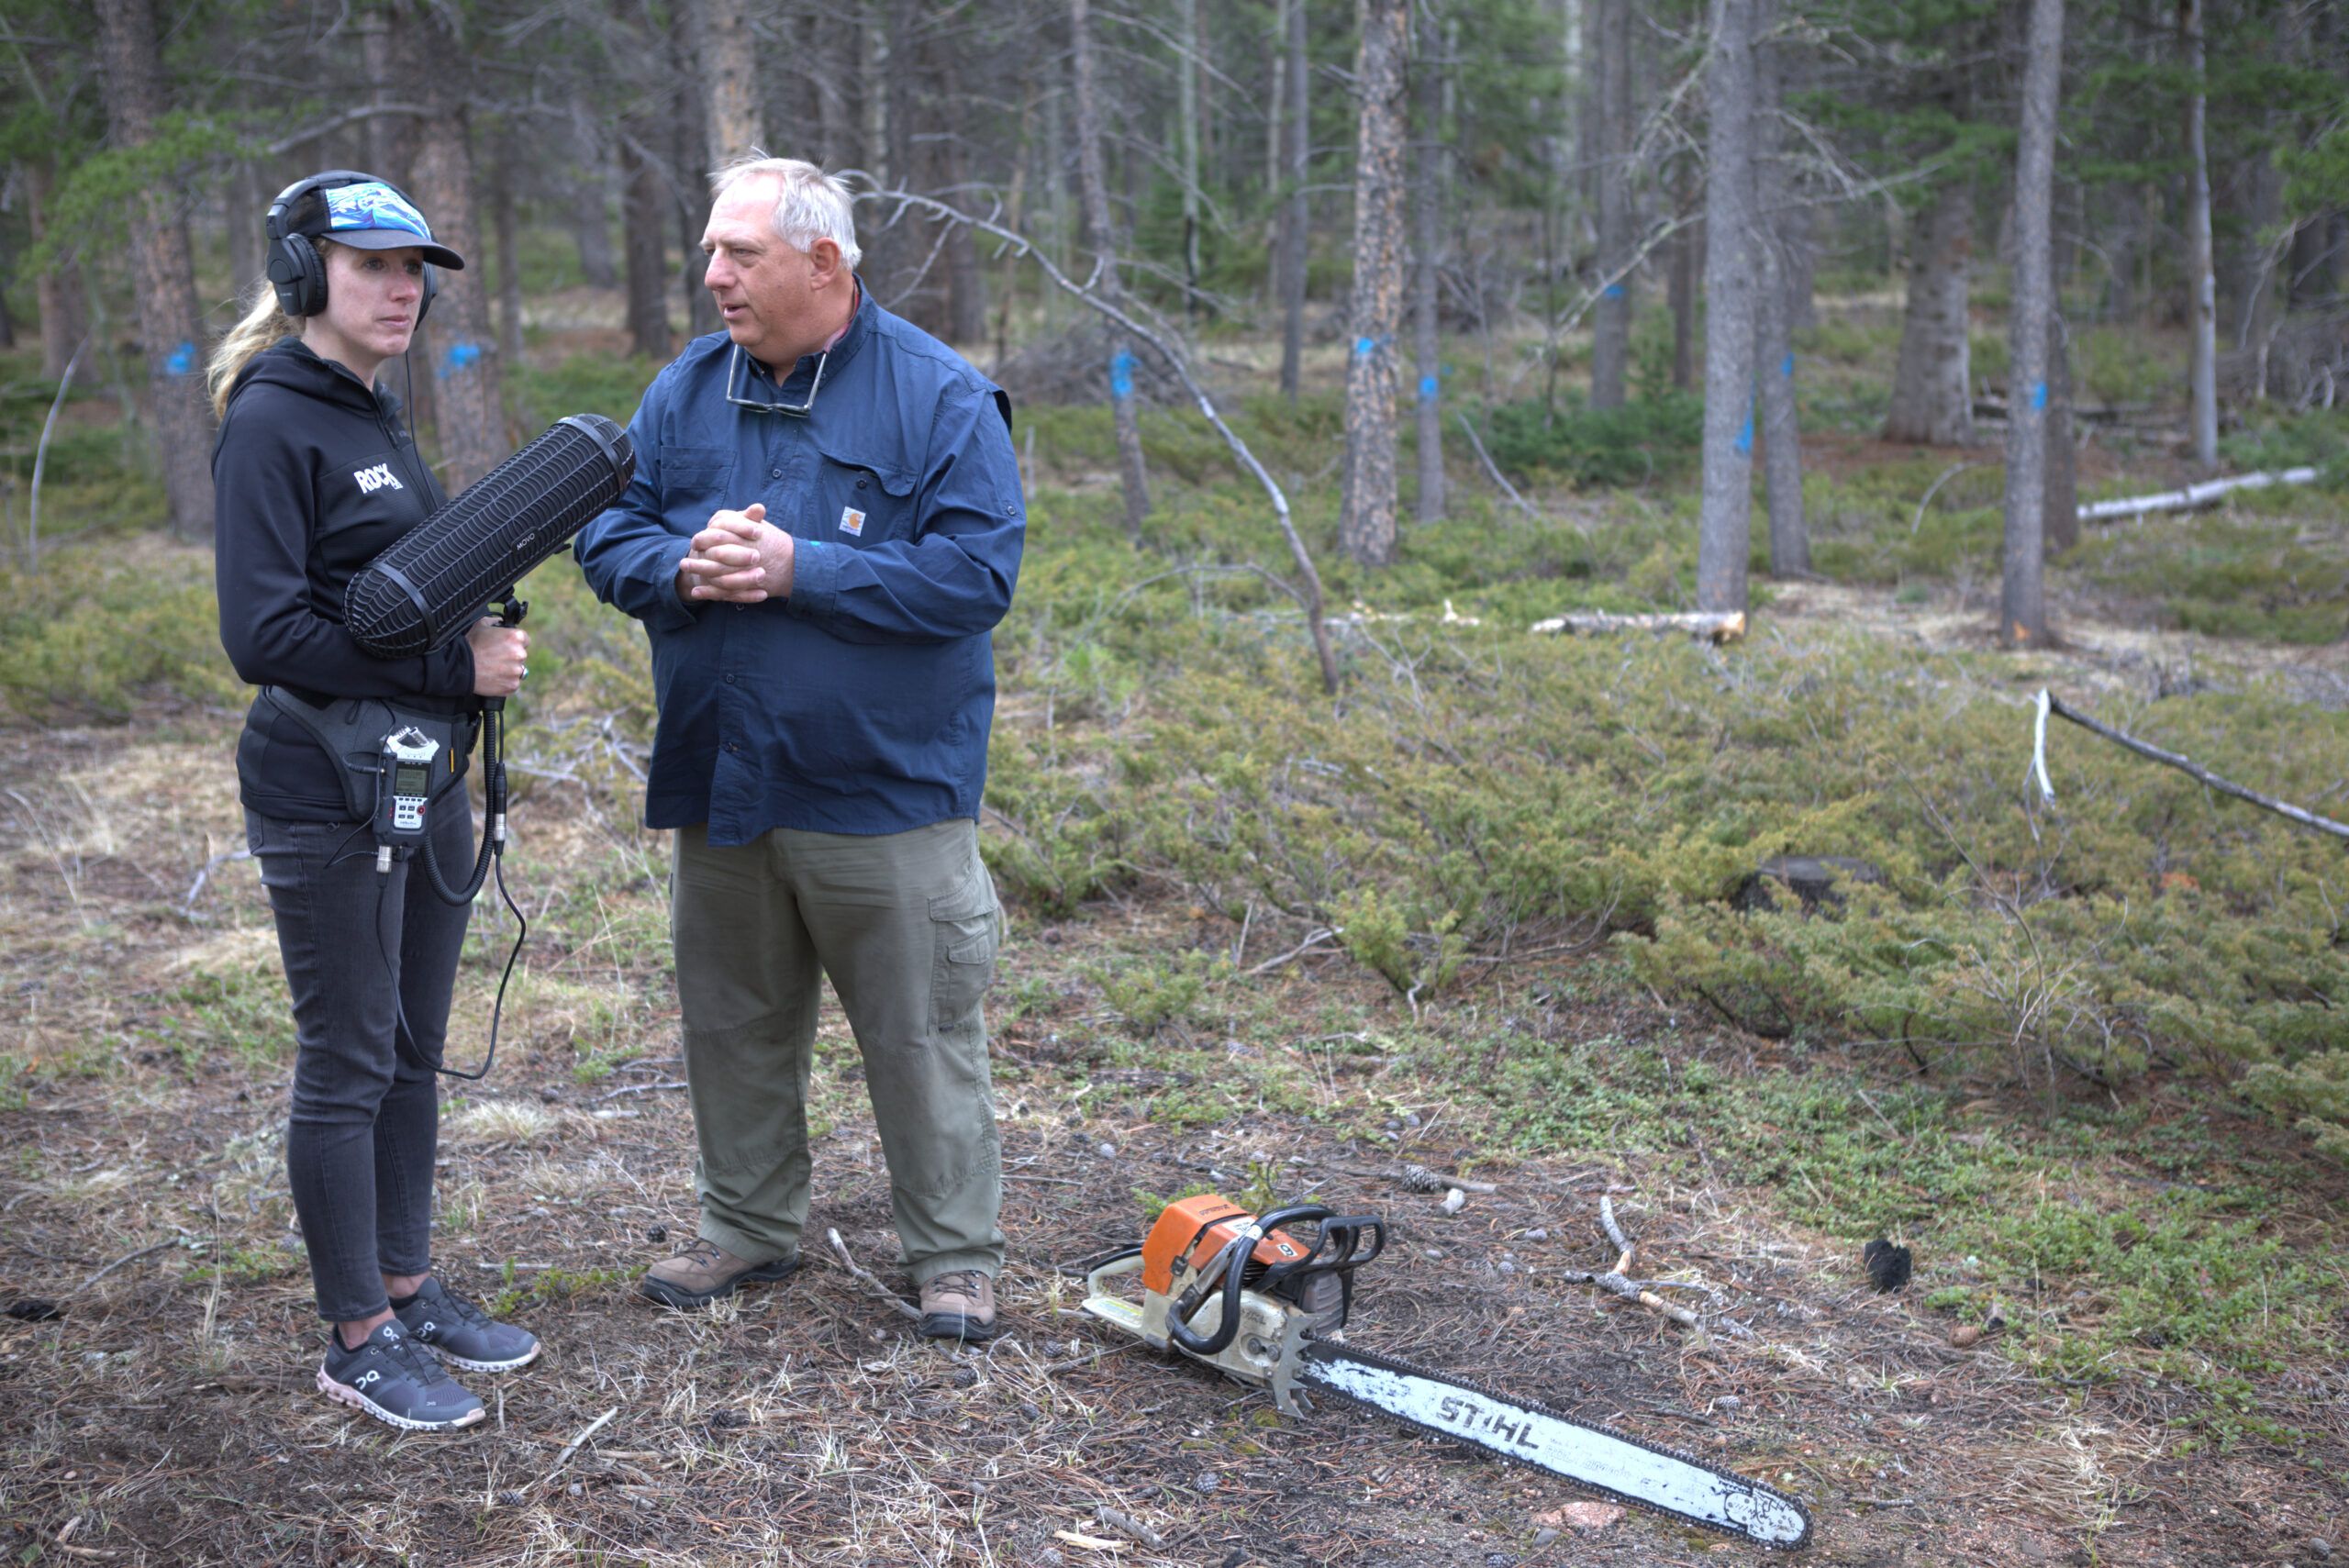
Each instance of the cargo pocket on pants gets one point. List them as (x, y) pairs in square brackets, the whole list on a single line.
[(966, 930)]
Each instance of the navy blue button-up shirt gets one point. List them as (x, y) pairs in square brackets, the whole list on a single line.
[(860, 703)]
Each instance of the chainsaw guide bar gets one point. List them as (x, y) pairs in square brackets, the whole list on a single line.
[(1243, 1293)]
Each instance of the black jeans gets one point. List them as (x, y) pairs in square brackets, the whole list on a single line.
[(370, 960)]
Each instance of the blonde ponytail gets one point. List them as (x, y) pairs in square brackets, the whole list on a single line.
[(262, 325)]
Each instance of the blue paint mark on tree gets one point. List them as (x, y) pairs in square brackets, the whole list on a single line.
[(461, 357), (1428, 388), (1365, 347), (1745, 436), (1612, 291), (1122, 372), (1787, 370), (182, 360), (2039, 394)]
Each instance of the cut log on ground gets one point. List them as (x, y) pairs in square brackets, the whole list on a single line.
[(2193, 495), (1726, 626)]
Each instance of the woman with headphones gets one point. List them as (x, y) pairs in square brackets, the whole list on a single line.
[(314, 476)]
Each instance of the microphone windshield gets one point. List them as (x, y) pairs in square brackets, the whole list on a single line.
[(432, 585)]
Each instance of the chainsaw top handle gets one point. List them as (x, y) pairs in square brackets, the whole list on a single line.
[(1337, 1249)]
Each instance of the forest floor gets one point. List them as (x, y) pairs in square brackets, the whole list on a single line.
[(165, 1416)]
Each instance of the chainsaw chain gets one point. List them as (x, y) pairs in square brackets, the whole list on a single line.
[(1316, 1351)]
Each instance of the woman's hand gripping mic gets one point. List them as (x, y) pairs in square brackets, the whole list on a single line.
[(499, 655)]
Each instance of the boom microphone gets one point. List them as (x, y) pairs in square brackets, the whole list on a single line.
[(432, 585)]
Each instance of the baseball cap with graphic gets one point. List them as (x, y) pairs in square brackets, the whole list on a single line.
[(370, 216)]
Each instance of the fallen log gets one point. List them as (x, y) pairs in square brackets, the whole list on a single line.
[(2193, 495), (2048, 702), (1714, 626)]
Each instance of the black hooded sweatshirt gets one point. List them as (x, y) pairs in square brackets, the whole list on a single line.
[(314, 476)]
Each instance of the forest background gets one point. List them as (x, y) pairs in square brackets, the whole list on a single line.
[(1375, 368)]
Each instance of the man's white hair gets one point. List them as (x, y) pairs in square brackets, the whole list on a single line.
[(809, 203)]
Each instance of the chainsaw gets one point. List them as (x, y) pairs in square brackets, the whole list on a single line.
[(1265, 1299)]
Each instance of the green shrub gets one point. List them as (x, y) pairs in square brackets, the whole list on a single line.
[(1654, 438)]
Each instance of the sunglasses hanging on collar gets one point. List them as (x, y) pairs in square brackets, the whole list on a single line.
[(735, 372)]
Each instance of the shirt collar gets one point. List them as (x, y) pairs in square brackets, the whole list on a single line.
[(835, 354)]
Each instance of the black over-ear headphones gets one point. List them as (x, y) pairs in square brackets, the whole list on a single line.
[(296, 271)]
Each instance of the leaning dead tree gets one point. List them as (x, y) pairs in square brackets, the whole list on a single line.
[(2050, 703), (1307, 589)]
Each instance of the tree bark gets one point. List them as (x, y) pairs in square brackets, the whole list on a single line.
[(57, 292), (247, 210), (1610, 336), (2062, 510), (465, 374), (1723, 541), (1295, 213), (646, 207), (1781, 427), (171, 329), (1933, 397), (1367, 512), (510, 260), (1187, 125), (588, 209), (2023, 613), (728, 75), (688, 145), (1427, 223), (1093, 175), (1680, 292), (2201, 287)]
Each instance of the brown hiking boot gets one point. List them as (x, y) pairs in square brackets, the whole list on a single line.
[(705, 1272), (959, 1305)]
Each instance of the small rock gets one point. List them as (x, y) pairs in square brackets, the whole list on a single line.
[(965, 1378), (550, 1096), (1410, 1118), (1537, 1234), (1107, 1151), (1504, 1267), (1393, 1125), (1453, 1201), (1207, 1481), (576, 1490), (1544, 1537), (1966, 1336), (2320, 1547), (1052, 1347), (656, 1234)]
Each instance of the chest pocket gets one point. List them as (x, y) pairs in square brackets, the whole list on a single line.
[(858, 500), (695, 474)]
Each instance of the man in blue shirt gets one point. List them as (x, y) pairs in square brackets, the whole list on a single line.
[(824, 525)]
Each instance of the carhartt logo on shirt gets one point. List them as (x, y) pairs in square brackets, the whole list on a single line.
[(379, 477), (851, 521)]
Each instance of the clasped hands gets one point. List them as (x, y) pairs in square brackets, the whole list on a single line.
[(739, 559)]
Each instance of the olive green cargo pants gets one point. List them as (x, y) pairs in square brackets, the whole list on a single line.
[(906, 926)]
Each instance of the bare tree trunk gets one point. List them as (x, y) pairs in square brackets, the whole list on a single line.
[(1093, 176), (1781, 427), (1724, 540), (729, 62), (2201, 287), (588, 209), (464, 365), (1187, 117), (1933, 393), (1367, 512), (1610, 332), (1276, 124), (247, 209), (1427, 223), (1798, 232), (688, 145), (646, 207), (1295, 215), (509, 261), (1680, 292), (57, 292), (171, 329), (2062, 511), (2022, 606)]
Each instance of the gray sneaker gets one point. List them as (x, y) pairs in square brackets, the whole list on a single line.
[(705, 1272), (463, 1334), (390, 1377)]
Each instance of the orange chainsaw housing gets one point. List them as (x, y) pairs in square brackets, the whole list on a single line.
[(1196, 1229)]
